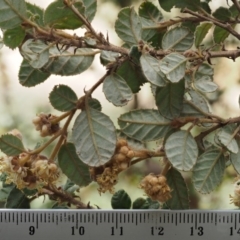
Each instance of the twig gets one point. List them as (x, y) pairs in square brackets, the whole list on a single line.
[(225, 26), (65, 197), (237, 4)]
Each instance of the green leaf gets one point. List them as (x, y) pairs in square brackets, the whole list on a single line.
[(190, 4), (128, 26), (205, 6), (141, 203), (144, 125), (117, 90), (199, 101), (167, 5), (12, 13), (234, 158), (205, 84), (35, 52), (11, 145), (94, 103), (151, 70), (17, 199), (63, 98), (121, 200), (68, 63), (35, 13), (180, 198), (179, 39), (226, 138), (14, 37), (173, 65), (189, 109), (94, 137), (29, 76), (90, 9), (4, 192), (149, 11), (208, 171), (107, 57), (169, 99), (72, 166), (57, 15), (204, 69), (234, 11), (220, 34), (222, 14), (132, 74), (181, 150), (201, 33)]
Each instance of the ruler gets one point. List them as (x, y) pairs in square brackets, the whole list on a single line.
[(118, 224)]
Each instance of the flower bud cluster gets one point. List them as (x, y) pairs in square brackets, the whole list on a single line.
[(29, 171), (43, 124), (156, 187), (107, 175), (235, 199)]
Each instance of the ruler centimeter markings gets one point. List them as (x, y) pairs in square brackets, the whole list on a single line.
[(118, 224)]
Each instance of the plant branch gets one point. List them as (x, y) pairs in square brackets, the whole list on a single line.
[(65, 197), (225, 26), (237, 4), (62, 138)]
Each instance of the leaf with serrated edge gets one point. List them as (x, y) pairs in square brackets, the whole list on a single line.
[(128, 26), (208, 171), (144, 125), (181, 150), (201, 32), (72, 166), (225, 137), (29, 76), (173, 65), (169, 99), (179, 39), (151, 70), (12, 13), (220, 34), (59, 16), (17, 199), (94, 137), (63, 98), (117, 90), (14, 37), (68, 63), (11, 145), (180, 198)]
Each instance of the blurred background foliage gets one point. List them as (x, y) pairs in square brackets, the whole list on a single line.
[(18, 105)]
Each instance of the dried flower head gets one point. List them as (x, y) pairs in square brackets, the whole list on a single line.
[(29, 171), (42, 123), (235, 199), (156, 187), (106, 176)]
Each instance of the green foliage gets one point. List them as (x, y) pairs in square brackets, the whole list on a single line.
[(11, 145), (121, 200), (63, 98), (72, 166), (94, 137), (173, 57), (17, 199)]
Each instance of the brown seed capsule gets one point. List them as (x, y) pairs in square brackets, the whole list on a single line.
[(130, 154), (124, 150), (121, 142)]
